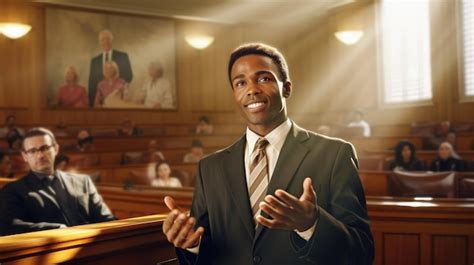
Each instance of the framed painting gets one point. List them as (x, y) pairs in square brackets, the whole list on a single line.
[(102, 60)]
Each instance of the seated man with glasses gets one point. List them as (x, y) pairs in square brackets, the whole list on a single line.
[(47, 198)]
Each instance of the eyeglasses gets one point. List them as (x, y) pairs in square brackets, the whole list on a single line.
[(43, 149)]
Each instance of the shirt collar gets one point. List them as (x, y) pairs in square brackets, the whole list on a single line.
[(275, 138), (42, 176)]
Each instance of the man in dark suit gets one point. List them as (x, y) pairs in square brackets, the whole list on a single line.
[(46, 198), (255, 202), (108, 54)]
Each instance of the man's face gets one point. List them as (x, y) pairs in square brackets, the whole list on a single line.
[(444, 152), (105, 40), (259, 93), (39, 152)]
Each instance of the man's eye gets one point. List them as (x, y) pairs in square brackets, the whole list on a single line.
[(239, 83), (264, 79)]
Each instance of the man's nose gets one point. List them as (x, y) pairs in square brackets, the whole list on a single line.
[(253, 89)]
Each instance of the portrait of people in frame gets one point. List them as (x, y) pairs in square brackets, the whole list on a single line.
[(103, 60)]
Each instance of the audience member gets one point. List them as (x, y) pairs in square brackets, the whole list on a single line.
[(61, 130), (196, 153), (164, 178), (128, 128), (357, 120), (153, 155), (14, 140), (157, 90), (451, 138), (10, 125), (5, 166), (204, 126), (447, 160), (440, 135), (85, 141), (71, 94), (47, 198), (405, 158), (108, 54), (61, 162), (111, 85)]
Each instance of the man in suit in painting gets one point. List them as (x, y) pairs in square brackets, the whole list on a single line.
[(280, 194), (47, 198), (98, 62)]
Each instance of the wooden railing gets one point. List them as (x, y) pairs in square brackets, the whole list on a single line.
[(129, 241)]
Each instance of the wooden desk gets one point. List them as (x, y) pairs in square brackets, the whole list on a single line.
[(129, 241), (409, 231)]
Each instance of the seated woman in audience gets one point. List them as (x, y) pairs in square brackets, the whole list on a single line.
[(71, 94), (447, 160), (61, 162), (5, 166), (204, 126), (196, 154), (128, 128), (112, 85), (85, 141), (10, 125), (405, 158), (164, 178)]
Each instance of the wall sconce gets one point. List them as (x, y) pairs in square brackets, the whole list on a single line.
[(199, 42), (14, 30), (349, 37)]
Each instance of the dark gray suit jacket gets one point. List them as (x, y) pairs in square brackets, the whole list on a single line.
[(221, 205), (97, 74), (27, 204)]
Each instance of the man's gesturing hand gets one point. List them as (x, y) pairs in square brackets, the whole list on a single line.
[(179, 227), (289, 212)]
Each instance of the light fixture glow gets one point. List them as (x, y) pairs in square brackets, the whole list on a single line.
[(14, 30), (349, 37), (199, 42)]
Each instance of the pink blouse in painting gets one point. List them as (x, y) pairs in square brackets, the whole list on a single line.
[(72, 96)]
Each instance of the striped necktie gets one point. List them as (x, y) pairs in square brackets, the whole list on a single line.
[(258, 175)]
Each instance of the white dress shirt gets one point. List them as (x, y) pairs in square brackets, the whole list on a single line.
[(109, 55)]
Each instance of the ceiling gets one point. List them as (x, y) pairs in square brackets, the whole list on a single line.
[(220, 11)]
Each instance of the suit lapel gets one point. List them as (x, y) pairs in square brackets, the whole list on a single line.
[(44, 190), (291, 155), (236, 183)]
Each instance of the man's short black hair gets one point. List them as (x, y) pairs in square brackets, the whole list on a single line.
[(264, 50), (39, 131), (2, 156)]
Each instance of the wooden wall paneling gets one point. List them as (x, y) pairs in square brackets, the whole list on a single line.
[(401, 249), (450, 250)]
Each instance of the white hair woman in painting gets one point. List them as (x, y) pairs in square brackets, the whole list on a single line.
[(157, 89), (111, 85)]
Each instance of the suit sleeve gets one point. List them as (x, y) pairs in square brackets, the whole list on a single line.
[(13, 215), (98, 210), (198, 211), (343, 233)]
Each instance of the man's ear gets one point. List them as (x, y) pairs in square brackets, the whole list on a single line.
[(287, 88)]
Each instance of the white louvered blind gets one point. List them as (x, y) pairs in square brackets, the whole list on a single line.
[(405, 50), (467, 14)]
